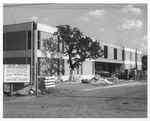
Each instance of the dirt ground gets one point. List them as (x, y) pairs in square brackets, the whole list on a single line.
[(73, 100)]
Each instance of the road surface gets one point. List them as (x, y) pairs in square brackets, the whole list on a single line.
[(116, 101)]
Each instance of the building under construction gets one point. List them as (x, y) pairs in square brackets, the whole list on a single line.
[(23, 42)]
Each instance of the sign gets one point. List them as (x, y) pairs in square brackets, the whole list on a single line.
[(16, 73)]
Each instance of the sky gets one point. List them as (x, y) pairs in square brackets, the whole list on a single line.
[(123, 24)]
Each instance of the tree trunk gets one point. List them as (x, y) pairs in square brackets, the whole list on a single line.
[(72, 76)]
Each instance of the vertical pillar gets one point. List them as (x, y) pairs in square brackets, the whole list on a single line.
[(36, 79), (93, 67), (81, 68), (34, 41)]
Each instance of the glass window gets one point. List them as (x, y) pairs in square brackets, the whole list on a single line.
[(105, 52), (4, 41), (39, 39), (123, 55), (29, 39), (15, 40), (115, 53)]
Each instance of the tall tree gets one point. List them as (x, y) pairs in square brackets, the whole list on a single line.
[(78, 47)]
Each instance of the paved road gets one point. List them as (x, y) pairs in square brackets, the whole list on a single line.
[(120, 101)]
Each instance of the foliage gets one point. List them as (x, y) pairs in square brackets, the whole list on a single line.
[(78, 47), (52, 58)]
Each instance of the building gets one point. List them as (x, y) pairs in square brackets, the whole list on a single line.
[(118, 58), (22, 44)]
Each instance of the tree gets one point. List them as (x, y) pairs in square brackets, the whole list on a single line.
[(51, 55), (78, 47), (144, 62)]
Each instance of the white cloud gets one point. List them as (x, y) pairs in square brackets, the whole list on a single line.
[(132, 9), (132, 25), (83, 18), (86, 17), (142, 44), (102, 30), (144, 39), (34, 18), (97, 13)]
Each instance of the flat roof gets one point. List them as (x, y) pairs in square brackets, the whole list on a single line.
[(29, 26)]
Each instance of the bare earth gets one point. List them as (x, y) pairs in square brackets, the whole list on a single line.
[(76, 100)]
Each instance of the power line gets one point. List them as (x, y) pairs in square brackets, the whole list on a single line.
[(108, 6), (11, 15), (79, 7), (15, 5)]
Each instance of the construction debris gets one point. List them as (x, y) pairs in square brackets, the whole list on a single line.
[(97, 80)]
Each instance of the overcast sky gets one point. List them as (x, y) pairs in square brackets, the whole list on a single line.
[(120, 24)]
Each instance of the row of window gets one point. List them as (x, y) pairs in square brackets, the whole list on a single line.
[(29, 39), (20, 39), (129, 55), (115, 53)]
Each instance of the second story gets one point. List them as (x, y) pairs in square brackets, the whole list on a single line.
[(21, 36), (27, 36), (120, 54)]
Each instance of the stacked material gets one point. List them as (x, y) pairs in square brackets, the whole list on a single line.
[(47, 82)]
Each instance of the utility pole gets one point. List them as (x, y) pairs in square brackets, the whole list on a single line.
[(135, 63), (36, 80)]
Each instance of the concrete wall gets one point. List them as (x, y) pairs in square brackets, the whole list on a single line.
[(111, 53), (66, 66), (130, 58), (87, 68), (119, 54)]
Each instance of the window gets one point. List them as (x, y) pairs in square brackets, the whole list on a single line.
[(29, 39), (15, 40), (105, 52), (123, 55), (115, 53), (39, 38), (4, 44)]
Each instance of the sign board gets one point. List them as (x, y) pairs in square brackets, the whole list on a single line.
[(16, 73)]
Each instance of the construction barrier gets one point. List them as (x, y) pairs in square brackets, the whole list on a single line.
[(47, 82)]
